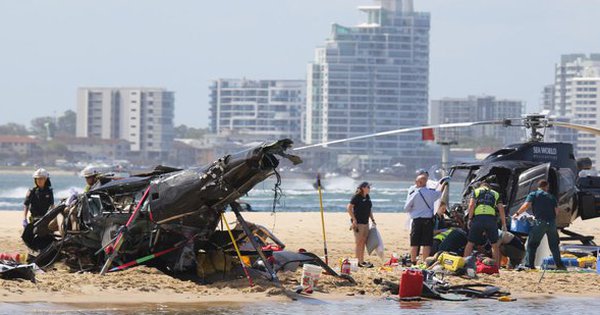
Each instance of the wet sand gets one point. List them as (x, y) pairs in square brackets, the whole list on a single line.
[(297, 230)]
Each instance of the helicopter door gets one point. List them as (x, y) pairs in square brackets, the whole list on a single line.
[(527, 183), (588, 197)]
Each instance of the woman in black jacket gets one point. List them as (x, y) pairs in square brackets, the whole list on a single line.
[(39, 198), (359, 209)]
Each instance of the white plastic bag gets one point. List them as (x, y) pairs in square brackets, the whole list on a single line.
[(375, 242)]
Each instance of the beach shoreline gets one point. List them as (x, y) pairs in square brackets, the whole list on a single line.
[(28, 170), (297, 230), (310, 176)]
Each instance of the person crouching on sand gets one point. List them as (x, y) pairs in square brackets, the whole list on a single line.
[(359, 209)]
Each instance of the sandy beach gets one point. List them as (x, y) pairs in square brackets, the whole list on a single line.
[(297, 230)]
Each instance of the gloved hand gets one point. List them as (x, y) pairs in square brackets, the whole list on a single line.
[(444, 180), (25, 222)]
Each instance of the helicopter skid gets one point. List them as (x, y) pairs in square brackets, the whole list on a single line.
[(573, 236)]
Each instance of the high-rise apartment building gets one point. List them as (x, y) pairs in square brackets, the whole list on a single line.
[(369, 78), (573, 100), (547, 98), (571, 66), (141, 116), (477, 108), (585, 104), (265, 108)]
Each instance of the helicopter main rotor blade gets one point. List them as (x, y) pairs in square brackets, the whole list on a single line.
[(505, 122), (589, 129)]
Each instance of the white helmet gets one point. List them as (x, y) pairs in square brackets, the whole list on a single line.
[(89, 171), (41, 173)]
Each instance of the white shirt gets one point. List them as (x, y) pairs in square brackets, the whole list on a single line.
[(420, 203), (431, 184)]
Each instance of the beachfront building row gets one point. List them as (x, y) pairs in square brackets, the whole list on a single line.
[(267, 109), (18, 147), (477, 108), (141, 116), (369, 78)]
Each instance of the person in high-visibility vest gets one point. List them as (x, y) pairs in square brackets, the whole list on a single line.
[(452, 240), (90, 174), (482, 220)]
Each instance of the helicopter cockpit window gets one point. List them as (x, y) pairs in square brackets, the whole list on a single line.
[(99, 203), (566, 181), (459, 180), (94, 205)]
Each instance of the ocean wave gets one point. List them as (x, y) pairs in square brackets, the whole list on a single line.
[(10, 205), (383, 191), (17, 192), (21, 192), (294, 206)]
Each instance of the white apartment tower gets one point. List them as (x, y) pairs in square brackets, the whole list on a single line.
[(585, 104), (574, 100), (477, 108), (267, 109), (570, 67), (141, 116), (369, 78)]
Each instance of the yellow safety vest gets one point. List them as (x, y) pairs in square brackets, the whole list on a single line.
[(442, 236), (485, 200)]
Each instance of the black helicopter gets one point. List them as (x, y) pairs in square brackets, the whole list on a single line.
[(165, 210), (517, 168)]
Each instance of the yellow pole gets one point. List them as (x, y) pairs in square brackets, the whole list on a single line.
[(237, 250), (322, 217)]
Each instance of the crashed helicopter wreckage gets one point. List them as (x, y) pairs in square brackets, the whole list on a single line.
[(168, 215)]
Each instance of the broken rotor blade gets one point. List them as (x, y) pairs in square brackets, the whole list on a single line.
[(403, 130), (589, 129)]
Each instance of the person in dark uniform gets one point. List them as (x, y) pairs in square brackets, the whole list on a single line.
[(359, 209), (545, 210), (39, 198)]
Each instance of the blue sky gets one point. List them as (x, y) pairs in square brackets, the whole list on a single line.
[(49, 48)]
